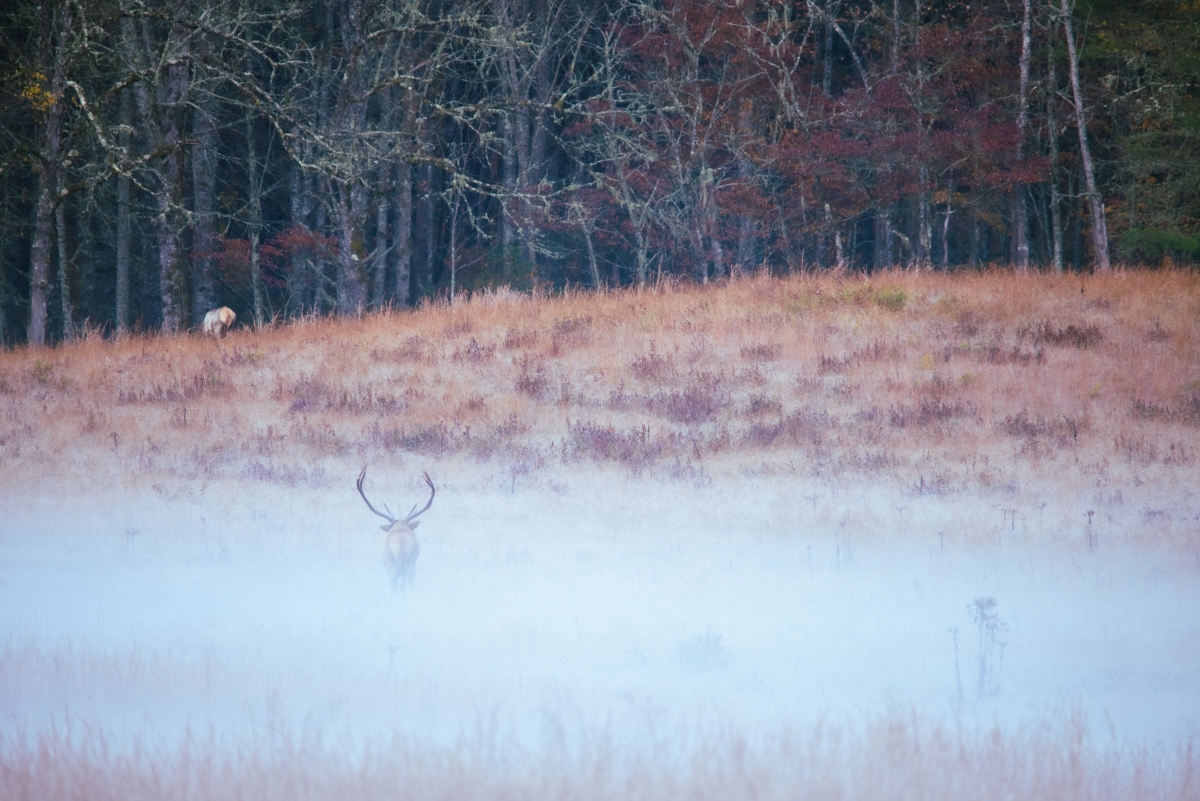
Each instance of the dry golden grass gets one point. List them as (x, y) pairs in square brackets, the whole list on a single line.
[(898, 757), (942, 384)]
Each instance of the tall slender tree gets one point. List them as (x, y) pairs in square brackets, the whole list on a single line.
[(55, 27), (1020, 212), (1095, 202)]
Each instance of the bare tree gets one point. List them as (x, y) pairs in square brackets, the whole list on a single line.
[(1096, 203), (255, 174), (65, 292), (403, 237), (55, 31), (124, 207), (1056, 231), (204, 231), (1019, 210), (158, 55)]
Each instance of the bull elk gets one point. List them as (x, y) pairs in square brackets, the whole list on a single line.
[(218, 321), (400, 548)]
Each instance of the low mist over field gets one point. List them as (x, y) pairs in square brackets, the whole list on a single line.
[(908, 537)]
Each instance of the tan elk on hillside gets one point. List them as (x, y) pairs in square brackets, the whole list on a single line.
[(400, 547), (218, 321)]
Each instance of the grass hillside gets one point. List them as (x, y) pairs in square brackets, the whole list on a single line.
[(940, 384)]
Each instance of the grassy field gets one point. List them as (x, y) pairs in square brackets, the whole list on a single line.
[(783, 493), (941, 384)]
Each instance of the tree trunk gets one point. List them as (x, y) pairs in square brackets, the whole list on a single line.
[(323, 299), (540, 135), (124, 208), (85, 262), (718, 252), (524, 137), (591, 251), (50, 152), (1056, 231), (642, 263), (380, 254), (924, 223), (173, 262), (426, 218), (509, 167), (946, 226), (6, 257), (64, 280), (827, 66), (254, 179), (453, 255), (895, 35), (533, 167), (39, 272), (1019, 210), (639, 213), (145, 306), (1078, 253), (204, 237), (976, 240), (172, 284), (795, 254), (350, 296), (528, 185), (1099, 224), (162, 115), (299, 288), (883, 249), (508, 225), (696, 237), (746, 245), (403, 241), (838, 252), (255, 231)]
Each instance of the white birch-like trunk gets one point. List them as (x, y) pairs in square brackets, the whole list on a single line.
[(1056, 232), (946, 226), (591, 251)]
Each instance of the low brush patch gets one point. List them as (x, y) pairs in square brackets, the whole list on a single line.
[(1074, 336)]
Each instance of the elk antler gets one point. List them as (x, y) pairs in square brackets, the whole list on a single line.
[(359, 484), (432, 491)]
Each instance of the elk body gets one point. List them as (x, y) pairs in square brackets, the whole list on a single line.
[(218, 321), (400, 547)]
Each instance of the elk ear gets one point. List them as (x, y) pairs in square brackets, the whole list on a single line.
[(388, 527), (413, 525)]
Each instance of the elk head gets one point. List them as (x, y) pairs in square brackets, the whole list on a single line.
[(400, 548), (218, 321)]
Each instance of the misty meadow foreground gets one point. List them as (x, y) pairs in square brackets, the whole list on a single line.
[(909, 537)]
